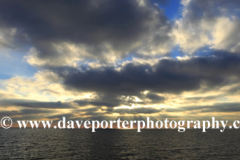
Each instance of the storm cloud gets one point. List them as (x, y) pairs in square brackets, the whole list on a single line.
[(166, 76), (92, 29)]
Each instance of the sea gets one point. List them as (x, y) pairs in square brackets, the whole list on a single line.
[(118, 144)]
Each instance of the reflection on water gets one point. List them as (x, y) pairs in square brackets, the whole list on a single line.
[(118, 144)]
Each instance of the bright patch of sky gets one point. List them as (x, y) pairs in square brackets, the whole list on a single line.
[(13, 64)]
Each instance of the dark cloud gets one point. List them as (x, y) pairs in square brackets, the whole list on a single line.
[(59, 116), (111, 102), (93, 23), (114, 100), (155, 97), (8, 113), (146, 110), (130, 80), (26, 114), (167, 76), (33, 104), (202, 98), (35, 111)]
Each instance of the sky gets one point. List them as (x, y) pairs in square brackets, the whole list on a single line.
[(128, 59)]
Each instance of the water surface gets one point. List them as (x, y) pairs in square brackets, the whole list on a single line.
[(118, 144)]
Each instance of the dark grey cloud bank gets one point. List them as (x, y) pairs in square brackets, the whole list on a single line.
[(34, 104), (166, 76), (25, 112), (92, 23)]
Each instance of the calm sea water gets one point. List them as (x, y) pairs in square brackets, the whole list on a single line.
[(118, 144)]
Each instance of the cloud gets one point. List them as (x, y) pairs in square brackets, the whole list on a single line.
[(226, 35), (63, 32), (8, 113), (6, 38), (217, 107), (111, 100), (166, 86), (25, 112), (166, 76), (59, 116), (130, 80), (154, 97), (208, 23), (195, 10), (146, 110), (33, 104), (43, 86)]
